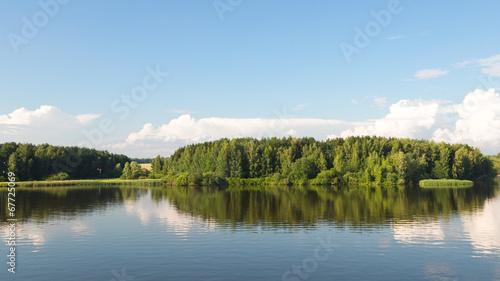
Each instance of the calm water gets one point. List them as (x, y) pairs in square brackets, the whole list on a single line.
[(130, 233)]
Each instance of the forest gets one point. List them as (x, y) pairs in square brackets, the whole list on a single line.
[(285, 161), (48, 162), (354, 160)]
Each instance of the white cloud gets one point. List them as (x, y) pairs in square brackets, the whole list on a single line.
[(463, 63), (380, 101), (394, 37), (85, 119), (291, 133), (43, 116), (478, 121), (46, 124), (491, 65), (407, 118), (299, 107), (430, 73), (475, 121), (331, 136)]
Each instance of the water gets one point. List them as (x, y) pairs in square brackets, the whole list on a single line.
[(132, 233)]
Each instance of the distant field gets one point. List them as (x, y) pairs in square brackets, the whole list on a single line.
[(147, 166)]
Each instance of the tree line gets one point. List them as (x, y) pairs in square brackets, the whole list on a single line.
[(353, 160), (42, 162)]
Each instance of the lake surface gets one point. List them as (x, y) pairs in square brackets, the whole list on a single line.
[(292, 233)]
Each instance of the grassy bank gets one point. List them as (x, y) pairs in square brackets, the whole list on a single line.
[(216, 182), (87, 182), (446, 183)]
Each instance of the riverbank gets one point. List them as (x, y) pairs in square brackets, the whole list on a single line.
[(220, 183), (88, 182)]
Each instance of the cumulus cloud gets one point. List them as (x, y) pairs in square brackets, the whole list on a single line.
[(407, 118), (430, 73), (478, 121), (186, 130), (45, 124), (475, 121), (45, 115)]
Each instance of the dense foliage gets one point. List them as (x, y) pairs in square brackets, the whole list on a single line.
[(354, 160), (134, 171), (496, 163), (41, 162)]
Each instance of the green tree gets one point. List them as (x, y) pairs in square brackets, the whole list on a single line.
[(127, 172), (441, 169), (157, 165), (13, 164), (462, 165)]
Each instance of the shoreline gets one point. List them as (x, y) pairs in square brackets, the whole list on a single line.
[(88, 182)]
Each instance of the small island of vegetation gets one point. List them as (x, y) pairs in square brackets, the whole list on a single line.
[(446, 183)]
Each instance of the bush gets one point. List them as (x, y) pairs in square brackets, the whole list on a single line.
[(195, 179), (325, 178), (59, 177), (391, 179), (210, 179), (182, 179)]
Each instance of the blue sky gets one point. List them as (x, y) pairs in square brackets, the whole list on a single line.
[(238, 66)]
